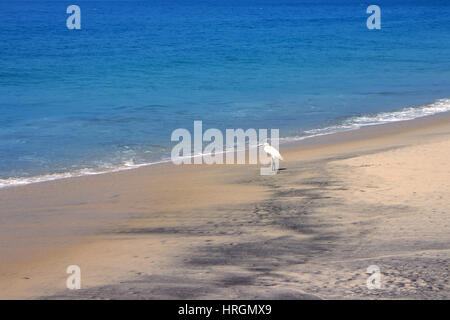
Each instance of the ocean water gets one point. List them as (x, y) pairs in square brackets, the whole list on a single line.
[(108, 96)]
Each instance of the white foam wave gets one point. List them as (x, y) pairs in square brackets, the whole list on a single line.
[(127, 165), (439, 106)]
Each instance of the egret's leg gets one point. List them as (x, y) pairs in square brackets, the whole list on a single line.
[(272, 164)]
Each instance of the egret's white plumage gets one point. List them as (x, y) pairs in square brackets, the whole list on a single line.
[(273, 153)]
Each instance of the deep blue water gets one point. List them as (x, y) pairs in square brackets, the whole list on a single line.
[(114, 91)]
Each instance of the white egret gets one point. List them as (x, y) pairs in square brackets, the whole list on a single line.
[(275, 155)]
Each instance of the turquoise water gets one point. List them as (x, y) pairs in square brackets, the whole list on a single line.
[(108, 96)]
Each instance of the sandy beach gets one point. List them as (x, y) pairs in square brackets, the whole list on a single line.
[(343, 202)]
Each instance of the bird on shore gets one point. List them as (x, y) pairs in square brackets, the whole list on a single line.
[(274, 154)]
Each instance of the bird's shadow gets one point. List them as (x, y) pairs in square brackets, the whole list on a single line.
[(281, 169)]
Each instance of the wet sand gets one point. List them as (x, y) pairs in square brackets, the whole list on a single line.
[(375, 196)]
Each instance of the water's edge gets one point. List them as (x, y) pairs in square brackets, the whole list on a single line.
[(355, 123)]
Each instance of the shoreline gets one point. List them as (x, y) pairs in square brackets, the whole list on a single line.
[(320, 132), (111, 220)]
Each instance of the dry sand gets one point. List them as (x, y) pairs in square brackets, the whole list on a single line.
[(375, 196)]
